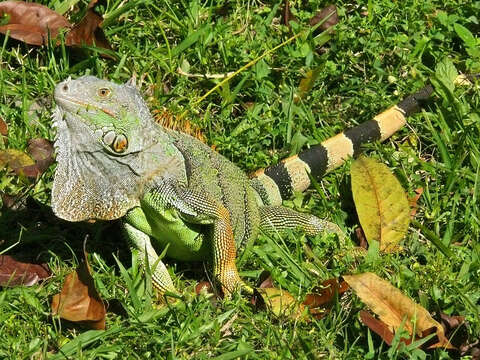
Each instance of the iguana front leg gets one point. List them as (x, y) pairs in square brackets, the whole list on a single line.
[(196, 207), (140, 242)]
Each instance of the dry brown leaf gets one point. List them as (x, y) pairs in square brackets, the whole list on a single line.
[(451, 322), (34, 23), (41, 150), (79, 301), (413, 202), (30, 22), (322, 14), (320, 300), (325, 294), (14, 272), (392, 306), (88, 32), (377, 326), (265, 280), (381, 329), (22, 164), (203, 286), (3, 127), (362, 240)]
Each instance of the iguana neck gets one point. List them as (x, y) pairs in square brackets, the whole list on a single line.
[(90, 183)]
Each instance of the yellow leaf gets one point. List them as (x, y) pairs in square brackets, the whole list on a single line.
[(306, 84), (281, 303), (15, 159), (392, 306), (381, 203)]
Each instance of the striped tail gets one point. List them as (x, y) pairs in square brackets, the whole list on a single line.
[(278, 182)]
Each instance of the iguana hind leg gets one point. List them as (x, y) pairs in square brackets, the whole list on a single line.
[(140, 242), (276, 219)]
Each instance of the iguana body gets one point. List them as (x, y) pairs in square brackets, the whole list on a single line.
[(115, 161)]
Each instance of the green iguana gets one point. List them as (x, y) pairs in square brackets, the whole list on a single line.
[(115, 161)]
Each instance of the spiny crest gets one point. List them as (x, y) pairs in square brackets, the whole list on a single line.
[(171, 121)]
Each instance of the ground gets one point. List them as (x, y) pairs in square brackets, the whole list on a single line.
[(379, 52)]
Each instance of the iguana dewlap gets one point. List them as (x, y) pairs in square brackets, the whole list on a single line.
[(115, 161)]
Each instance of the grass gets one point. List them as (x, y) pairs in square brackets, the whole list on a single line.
[(380, 52)]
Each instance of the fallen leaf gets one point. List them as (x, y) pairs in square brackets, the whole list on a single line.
[(331, 11), (78, 300), (381, 203), (3, 127), (377, 326), (306, 84), (15, 160), (382, 330), (392, 307), (14, 272), (456, 329), (320, 300), (472, 349), (265, 280), (451, 322), (30, 22), (413, 201), (41, 150), (362, 240), (92, 4), (326, 293), (33, 24), (88, 32), (203, 287), (279, 302), (8, 201)]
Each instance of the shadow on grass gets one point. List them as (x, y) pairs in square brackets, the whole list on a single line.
[(31, 232)]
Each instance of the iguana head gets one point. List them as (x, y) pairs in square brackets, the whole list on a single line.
[(108, 147), (111, 111)]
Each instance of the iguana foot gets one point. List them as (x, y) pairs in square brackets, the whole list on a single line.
[(231, 282), (276, 219)]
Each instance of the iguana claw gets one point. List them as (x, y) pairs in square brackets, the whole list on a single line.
[(231, 282)]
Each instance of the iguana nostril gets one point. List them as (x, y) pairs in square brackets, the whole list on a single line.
[(65, 87)]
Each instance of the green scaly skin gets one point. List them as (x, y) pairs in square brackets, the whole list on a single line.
[(114, 162)]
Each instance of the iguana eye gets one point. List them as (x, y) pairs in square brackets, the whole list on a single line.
[(103, 92), (120, 144)]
